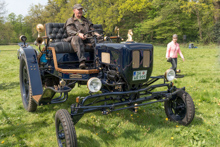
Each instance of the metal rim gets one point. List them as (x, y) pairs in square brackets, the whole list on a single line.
[(25, 83), (177, 108), (60, 134)]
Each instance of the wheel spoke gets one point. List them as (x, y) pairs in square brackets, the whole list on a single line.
[(177, 108), (60, 144), (61, 131), (25, 80), (26, 92), (61, 134)]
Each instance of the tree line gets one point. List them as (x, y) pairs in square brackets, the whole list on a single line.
[(153, 21)]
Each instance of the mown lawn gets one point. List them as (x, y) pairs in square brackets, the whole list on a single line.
[(148, 127)]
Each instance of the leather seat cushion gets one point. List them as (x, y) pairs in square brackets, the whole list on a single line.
[(65, 47), (55, 31), (62, 47)]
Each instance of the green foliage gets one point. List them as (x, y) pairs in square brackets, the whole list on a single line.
[(2, 10), (152, 21), (204, 12), (216, 32), (15, 27)]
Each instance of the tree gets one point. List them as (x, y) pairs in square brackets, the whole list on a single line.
[(3, 33), (36, 16), (2, 10), (202, 10)]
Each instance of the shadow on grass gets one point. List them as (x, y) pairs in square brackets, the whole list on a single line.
[(189, 74), (82, 141), (4, 86), (149, 119), (197, 121), (105, 136), (19, 131)]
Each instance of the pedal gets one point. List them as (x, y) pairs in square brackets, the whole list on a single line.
[(105, 112), (178, 71), (135, 108)]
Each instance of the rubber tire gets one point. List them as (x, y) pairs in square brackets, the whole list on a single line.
[(62, 116), (190, 109), (29, 104)]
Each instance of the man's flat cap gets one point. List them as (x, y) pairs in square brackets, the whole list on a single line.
[(77, 6)]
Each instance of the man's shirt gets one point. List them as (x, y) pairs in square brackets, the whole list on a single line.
[(173, 49)]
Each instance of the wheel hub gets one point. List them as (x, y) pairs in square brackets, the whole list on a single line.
[(61, 136), (178, 108)]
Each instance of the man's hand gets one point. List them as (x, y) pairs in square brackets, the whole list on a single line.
[(98, 35), (183, 59), (81, 35)]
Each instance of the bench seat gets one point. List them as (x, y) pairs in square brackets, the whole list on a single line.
[(56, 34)]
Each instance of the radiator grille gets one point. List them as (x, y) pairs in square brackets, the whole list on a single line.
[(135, 59), (146, 59), (105, 57)]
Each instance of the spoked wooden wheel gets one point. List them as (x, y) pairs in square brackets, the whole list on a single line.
[(181, 108), (25, 87), (65, 130)]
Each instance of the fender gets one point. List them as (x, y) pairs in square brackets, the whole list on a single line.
[(30, 56)]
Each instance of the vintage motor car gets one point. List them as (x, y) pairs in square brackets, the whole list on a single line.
[(118, 76)]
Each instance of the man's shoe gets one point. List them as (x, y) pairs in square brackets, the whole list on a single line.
[(82, 65)]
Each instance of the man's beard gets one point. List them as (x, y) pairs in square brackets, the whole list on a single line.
[(79, 14)]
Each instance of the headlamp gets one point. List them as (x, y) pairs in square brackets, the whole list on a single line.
[(170, 75), (94, 84)]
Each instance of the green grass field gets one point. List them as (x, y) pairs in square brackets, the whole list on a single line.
[(148, 127)]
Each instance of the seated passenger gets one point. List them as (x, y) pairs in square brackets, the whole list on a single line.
[(76, 26)]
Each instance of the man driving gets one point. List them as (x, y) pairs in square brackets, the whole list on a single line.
[(76, 27)]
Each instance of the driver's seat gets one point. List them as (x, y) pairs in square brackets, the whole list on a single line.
[(56, 34)]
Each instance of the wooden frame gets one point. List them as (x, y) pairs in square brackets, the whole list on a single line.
[(78, 71)]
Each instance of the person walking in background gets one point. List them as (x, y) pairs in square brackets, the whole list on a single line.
[(172, 49)]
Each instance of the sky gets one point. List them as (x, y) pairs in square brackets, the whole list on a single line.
[(21, 6)]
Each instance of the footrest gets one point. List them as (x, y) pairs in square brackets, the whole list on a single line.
[(49, 92), (179, 76)]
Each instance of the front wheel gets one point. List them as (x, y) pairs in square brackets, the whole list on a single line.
[(65, 130), (180, 108)]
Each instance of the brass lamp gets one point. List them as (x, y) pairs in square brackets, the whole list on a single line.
[(40, 29)]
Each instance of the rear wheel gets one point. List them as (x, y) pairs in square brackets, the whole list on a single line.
[(65, 130), (181, 108), (25, 87)]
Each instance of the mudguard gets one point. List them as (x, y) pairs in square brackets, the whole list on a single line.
[(28, 53)]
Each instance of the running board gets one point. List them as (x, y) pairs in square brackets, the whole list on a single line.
[(48, 94)]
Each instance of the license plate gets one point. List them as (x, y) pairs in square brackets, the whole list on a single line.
[(139, 75)]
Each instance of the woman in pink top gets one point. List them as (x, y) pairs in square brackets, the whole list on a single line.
[(172, 49)]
